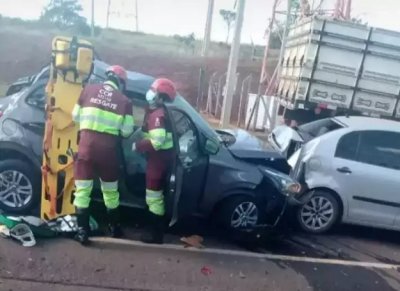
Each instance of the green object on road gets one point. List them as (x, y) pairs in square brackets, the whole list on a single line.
[(41, 230), (7, 222)]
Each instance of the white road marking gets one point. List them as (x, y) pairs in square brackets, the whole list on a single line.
[(131, 243)]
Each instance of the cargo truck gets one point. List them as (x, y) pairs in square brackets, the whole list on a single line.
[(332, 67)]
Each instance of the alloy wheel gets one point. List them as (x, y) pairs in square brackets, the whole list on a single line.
[(317, 213), (244, 215), (16, 190)]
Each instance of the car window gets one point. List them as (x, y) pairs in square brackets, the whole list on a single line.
[(319, 127), (380, 148), (37, 97), (347, 146), (201, 123), (187, 137)]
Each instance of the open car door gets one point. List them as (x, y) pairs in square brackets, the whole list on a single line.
[(188, 177)]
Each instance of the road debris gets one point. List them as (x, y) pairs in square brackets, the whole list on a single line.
[(37, 226), (206, 271), (22, 233), (241, 275), (4, 231), (68, 224), (24, 229), (193, 241)]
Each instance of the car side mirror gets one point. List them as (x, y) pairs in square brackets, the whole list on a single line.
[(211, 147)]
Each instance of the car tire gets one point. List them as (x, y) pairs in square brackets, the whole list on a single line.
[(239, 212), (319, 214), (20, 182)]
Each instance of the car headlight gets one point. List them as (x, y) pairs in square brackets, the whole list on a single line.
[(284, 183)]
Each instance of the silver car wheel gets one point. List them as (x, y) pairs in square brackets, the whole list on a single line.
[(317, 213), (16, 190), (244, 215)]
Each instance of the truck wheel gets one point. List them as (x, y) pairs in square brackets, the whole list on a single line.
[(239, 212), (319, 214), (19, 187)]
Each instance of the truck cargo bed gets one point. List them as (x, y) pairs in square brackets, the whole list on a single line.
[(337, 64)]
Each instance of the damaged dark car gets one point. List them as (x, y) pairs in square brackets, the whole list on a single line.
[(229, 175)]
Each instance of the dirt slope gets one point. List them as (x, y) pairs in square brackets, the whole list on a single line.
[(23, 51)]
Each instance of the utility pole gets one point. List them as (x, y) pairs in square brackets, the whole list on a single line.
[(137, 15), (108, 14), (204, 51), (207, 32), (275, 102), (233, 61), (92, 28), (348, 10)]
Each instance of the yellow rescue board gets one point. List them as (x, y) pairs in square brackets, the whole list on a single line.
[(72, 62)]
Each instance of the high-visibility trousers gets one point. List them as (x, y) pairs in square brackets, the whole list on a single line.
[(157, 173), (96, 159)]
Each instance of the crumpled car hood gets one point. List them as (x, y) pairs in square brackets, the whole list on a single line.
[(245, 142), (253, 150), (282, 136)]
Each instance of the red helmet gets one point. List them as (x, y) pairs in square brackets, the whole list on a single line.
[(164, 86), (118, 71)]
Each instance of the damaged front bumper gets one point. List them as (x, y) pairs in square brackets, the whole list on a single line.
[(301, 198)]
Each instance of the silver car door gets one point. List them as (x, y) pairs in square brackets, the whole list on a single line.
[(365, 166)]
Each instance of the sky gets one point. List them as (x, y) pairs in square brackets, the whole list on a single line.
[(169, 17)]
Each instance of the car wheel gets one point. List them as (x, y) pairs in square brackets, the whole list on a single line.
[(239, 213), (319, 214), (19, 187)]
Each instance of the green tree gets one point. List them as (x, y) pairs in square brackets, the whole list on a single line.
[(64, 14), (229, 18)]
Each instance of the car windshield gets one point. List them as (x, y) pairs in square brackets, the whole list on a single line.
[(197, 118), (318, 128)]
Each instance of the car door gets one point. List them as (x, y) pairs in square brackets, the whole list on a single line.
[(188, 180), (367, 167)]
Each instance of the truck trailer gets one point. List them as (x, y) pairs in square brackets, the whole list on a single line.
[(334, 67)]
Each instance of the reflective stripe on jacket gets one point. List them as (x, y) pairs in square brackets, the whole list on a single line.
[(157, 135), (103, 108)]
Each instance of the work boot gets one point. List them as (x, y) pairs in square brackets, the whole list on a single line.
[(156, 233), (114, 226), (82, 236)]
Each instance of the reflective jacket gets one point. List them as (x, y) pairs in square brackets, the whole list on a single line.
[(157, 134), (103, 108)]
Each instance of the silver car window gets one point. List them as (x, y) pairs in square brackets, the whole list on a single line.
[(347, 146), (380, 148)]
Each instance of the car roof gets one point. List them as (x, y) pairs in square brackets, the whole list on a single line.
[(368, 123), (140, 83)]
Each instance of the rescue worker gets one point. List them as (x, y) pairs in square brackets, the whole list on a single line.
[(104, 115), (158, 146)]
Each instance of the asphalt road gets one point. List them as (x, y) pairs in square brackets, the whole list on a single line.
[(351, 258)]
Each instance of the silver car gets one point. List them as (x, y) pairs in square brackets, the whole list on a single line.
[(351, 165)]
